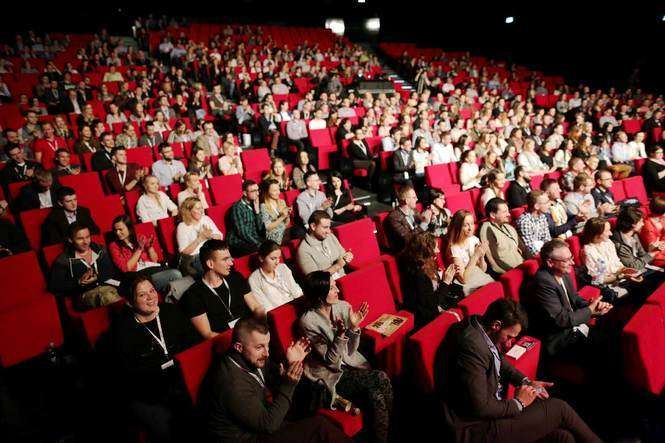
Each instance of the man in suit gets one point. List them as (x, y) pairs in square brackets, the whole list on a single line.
[(67, 211), (53, 97), (403, 221), (559, 316), (471, 377), (208, 140), (101, 160), (123, 176), (63, 164), (507, 250), (519, 188), (72, 103), (602, 196), (18, 168), (361, 156), (151, 137), (403, 164)]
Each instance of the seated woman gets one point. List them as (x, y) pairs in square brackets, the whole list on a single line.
[(275, 215), (193, 188), (429, 291), (332, 327), (136, 255), (494, 183), (654, 170), (575, 166), (154, 204), (272, 283), (144, 339), (161, 123), (180, 133), (467, 252), (652, 234), (194, 230), (302, 167), (469, 173), (199, 164), (435, 219), (344, 207), (602, 262), (630, 222), (278, 172), (230, 163)]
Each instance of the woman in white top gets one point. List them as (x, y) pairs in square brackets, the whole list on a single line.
[(154, 205), (421, 156), (530, 160), (467, 252), (272, 283), (114, 115), (160, 123), (495, 182), (230, 163), (443, 150), (194, 230), (193, 188), (637, 149), (469, 172)]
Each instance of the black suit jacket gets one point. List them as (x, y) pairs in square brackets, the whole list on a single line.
[(516, 195), (28, 197), (356, 152), (600, 196), (550, 318), (466, 378), (101, 160), (54, 229), (11, 173), (400, 166)]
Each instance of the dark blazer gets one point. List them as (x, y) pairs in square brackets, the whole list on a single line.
[(101, 160), (467, 381), (54, 229), (67, 105), (400, 166), (398, 229), (11, 173), (155, 141), (28, 197), (650, 175), (549, 317), (113, 179), (516, 195), (600, 196), (356, 152), (264, 126), (421, 298)]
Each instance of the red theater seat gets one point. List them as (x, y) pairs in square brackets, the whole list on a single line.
[(87, 185), (643, 346), (477, 302), (256, 162), (32, 221), (166, 229), (142, 156), (634, 187), (225, 189), (461, 201)]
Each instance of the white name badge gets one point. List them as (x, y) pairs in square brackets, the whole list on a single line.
[(167, 365)]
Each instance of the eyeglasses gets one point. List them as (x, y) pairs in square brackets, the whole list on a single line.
[(563, 260)]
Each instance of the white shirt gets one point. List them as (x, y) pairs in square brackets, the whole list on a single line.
[(621, 152), (443, 153), (531, 162), (45, 199), (637, 150), (148, 210), (468, 174), (272, 293), (317, 123), (421, 159), (184, 195), (186, 234)]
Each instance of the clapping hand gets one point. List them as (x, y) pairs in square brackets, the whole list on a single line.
[(356, 317), (348, 256), (449, 275), (205, 233), (293, 373), (599, 307), (88, 277), (142, 242), (298, 350)]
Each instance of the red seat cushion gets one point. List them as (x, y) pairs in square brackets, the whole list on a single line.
[(643, 345)]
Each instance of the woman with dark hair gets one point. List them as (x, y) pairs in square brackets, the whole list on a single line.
[(345, 131), (138, 255), (302, 167), (344, 207), (436, 217), (652, 234), (626, 239), (493, 184), (654, 170), (144, 340), (272, 283), (429, 291), (333, 328)]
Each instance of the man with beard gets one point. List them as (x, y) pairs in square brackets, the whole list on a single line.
[(519, 188)]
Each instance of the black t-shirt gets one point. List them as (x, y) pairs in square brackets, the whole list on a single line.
[(199, 299)]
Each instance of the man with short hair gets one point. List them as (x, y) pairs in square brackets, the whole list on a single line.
[(209, 140), (404, 221), (39, 193), (580, 201), (532, 224), (602, 196), (151, 137), (560, 222), (472, 375), (312, 199), (31, 130), (123, 177), (83, 271), (63, 166), (506, 248), (18, 168), (361, 156), (46, 147), (320, 250), (404, 164), (559, 316), (249, 396), (101, 160), (67, 211), (216, 301), (517, 192), (168, 170), (246, 231)]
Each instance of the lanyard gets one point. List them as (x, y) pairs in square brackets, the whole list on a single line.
[(258, 378), (226, 305), (161, 340)]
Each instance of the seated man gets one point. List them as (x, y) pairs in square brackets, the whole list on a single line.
[(101, 160), (40, 193), (532, 224), (361, 156), (506, 248), (18, 168), (404, 165), (472, 375), (320, 250), (560, 222), (249, 396), (519, 188), (216, 301), (123, 177), (580, 201), (310, 200), (168, 170), (151, 137), (404, 221), (209, 140), (559, 316), (602, 196), (83, 271), (246, 231), (63, 165), (66, 212)]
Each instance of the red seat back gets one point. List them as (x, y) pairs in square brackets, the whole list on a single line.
[(15, 188), (634, 187), (512, 282), (218, 215), (87, 185), (282, 321), (148, 230), (22, 280), (359, 237), (320, 137), (32, 221), (618, 190), (246, 264), (643, 345), (105, 210), (575, 249), (166, 229), (379, 219), (141, 156), (461, 201), (438, 176), (369, 284), (225, 189), (255, 162), (477, 302)]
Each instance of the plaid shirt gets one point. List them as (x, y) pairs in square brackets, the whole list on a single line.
[(534, 231), (247, 227)]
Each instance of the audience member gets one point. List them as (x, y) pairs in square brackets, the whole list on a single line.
[(123, 177), (519, 189), (561, 223), (193, 188), (652, 235), (168, 170), (39, 193), (653, 171), (310, 200), (272, 282), (154, 204), (67, 211), (532, 224), (506, 249), (436, 218), (580, 202), (230, 162), (102, 158), (602, 196), (320, 250), (194, 230), (343, 206), (247, 230)]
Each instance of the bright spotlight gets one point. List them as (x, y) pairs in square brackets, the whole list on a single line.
[(336, 25), (509, 20), (373, 24), (361, 1)]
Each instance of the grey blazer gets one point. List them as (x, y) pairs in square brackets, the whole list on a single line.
[(330, 353)]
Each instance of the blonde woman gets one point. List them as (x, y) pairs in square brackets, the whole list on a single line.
[(194, 230), (274, 212), (193, 188), (230, 163), (154, 204), (278, 172)]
